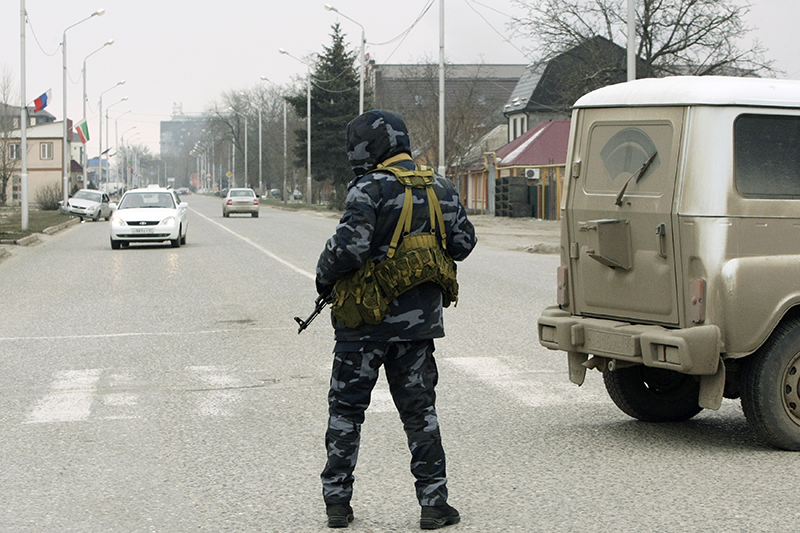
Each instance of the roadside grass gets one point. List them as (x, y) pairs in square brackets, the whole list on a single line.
[(38, 221)]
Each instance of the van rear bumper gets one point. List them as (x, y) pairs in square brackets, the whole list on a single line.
[(689, 351)]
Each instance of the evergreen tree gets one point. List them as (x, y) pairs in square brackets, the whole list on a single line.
[(334, 103)]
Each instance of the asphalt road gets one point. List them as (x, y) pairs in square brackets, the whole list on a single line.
[(161, 389)]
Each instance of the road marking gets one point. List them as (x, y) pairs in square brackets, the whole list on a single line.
[(138, 334), (261, 248), (535, 389), (70, 399), (218, 398)]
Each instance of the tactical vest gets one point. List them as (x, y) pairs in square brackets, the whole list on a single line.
[(363, 297)]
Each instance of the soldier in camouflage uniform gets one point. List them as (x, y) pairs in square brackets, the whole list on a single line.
[(403, 341)]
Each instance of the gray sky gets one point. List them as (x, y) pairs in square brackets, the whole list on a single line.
[(191, 52)]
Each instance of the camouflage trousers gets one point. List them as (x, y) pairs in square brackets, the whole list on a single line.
[(412, 375)]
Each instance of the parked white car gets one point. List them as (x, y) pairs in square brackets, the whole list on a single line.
[(154, 214), (89, 203)]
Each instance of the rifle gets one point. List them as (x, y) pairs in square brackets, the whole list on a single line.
[(319, 305)]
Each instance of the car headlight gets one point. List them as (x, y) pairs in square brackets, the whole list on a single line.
[(169, 221), (117, 221)]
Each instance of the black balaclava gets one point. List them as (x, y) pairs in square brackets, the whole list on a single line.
[(373, 138)]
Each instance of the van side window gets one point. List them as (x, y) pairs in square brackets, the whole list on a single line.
[(767, 155)]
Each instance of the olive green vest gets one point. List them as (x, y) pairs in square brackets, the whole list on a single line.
[(363, 297)]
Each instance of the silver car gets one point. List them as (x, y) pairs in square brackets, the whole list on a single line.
[(240, 201), (154, 214), (89, 203)]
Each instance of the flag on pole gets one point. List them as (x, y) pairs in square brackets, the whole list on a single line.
[(41, 102), (83, 131)]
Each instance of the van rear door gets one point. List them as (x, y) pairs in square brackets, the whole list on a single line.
[(619, 214)]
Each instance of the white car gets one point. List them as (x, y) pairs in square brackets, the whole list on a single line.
[(89, 203), (240, 201), (154, 214)]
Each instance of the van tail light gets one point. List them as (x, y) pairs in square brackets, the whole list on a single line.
[(697, 300), (562, 296)]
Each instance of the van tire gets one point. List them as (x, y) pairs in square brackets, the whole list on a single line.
[(770, 383), (653, 394)]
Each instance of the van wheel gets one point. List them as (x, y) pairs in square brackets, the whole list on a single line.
[(771, 388), (653, 394)]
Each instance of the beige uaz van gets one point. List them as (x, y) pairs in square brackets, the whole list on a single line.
[(680, 249)]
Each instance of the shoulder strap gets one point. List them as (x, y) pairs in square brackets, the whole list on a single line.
[(421, 177)]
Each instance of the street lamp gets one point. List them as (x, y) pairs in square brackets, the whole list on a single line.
[(84, 155), (246, 176), (107, 128), (363, 58), (98, 13), (308, 112), (116, 137), (285, 143), (100, 135), (122, 143)]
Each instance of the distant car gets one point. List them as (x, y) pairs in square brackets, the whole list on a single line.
[(149, 215), (89, 203), (275, 193), (240, 201)]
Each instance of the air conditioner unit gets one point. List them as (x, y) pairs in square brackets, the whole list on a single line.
[(533, 173)]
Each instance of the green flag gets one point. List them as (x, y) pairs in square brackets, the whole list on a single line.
[(83, 131)]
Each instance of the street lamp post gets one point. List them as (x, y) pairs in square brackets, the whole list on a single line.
[(285, 143), (84, 155), (100, 134), (122, 143), (245, 145), (99, 12), (363, 59), (308, 112), (107, 131), (116, 138)]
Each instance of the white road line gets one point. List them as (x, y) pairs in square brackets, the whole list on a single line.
[(260, 248), (138, 334), (216, 402), (70, 399), (535, 389)]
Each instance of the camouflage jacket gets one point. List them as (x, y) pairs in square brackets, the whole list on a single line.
[(374, 203)]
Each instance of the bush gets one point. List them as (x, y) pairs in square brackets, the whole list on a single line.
[(47, 198)]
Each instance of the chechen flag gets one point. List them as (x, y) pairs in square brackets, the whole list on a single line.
[(41, 102), (83, 131)]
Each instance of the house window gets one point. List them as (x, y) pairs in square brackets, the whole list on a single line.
[(14, 151), (46, 151), (515, 128), (767, 155)]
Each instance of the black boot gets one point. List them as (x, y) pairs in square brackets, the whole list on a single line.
[(439, 516), (339, 515)]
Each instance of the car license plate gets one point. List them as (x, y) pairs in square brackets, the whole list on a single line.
[(143, 230)]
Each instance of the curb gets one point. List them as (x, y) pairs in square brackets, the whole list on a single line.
[(64, 225), (34, 238)]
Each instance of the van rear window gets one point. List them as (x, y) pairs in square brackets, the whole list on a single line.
[(767, 155)]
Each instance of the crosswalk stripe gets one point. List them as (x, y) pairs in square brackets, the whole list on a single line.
[(70, 399)]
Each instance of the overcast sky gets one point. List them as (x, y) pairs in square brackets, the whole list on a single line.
[(190, 52)]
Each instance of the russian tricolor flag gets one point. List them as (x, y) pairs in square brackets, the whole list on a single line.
[(41, 102)]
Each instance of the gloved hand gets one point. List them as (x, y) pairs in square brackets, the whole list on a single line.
[(324, 290)]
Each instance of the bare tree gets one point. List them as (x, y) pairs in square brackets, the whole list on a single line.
[(687, 37), (9, 119)]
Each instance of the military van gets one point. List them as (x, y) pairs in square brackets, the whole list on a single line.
[(680, 249)]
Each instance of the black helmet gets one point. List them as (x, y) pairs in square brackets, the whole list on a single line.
[(373, 138)]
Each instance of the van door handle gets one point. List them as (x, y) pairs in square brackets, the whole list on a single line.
[(661, 232)]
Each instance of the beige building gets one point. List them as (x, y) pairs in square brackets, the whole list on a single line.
[(45, 160)]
